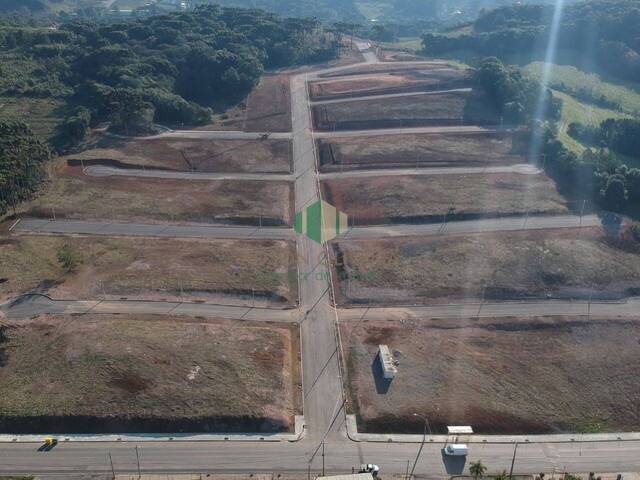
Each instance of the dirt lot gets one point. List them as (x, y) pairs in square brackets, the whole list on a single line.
[(269, 105), (215, 271), (73, 195), (385, 68), (385, 83), (453, 108), (420, 199), (126, 373), (200, 155), (433, 150), (536, 264), (505, 376)]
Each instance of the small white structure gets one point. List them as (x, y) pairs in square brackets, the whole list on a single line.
[(353, 476), (460, 430), (386, 361)]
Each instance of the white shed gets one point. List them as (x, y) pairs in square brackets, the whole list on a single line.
[(386, 361)]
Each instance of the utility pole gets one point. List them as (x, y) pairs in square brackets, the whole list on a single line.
[(424, 439), (113, 471), (513, 461), (323, 458), (138, 459)]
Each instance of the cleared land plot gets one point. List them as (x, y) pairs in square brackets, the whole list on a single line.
[(535, 264), (504, 376), (73, 195), (216, 271), (452, 108), (126, 373), (43, 116), (269, 105), (395, 82), (433, 150), (385, 68), (199, 155), (423, 199)]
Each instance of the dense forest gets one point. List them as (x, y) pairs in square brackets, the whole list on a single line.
[(600, 33), (169, 69)]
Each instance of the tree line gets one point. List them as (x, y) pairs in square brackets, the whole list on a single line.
[(604, 32)]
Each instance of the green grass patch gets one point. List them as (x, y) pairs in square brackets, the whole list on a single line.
[(576, 111), (43, 115), (571, 80)]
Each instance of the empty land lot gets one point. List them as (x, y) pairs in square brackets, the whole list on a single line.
[(563, 263), (385, 68), (73, 195), (452, 108), (224, 271), (384, 83), (423, 198), (199, 155), (505, 376), (269, 105), (124, 373), (411, 150)]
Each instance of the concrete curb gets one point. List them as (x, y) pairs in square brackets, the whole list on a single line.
[(354, 435), (299, 433)]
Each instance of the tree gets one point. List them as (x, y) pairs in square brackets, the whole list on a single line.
[(130, 114), (477, 469), (68, 258), (614, 193)]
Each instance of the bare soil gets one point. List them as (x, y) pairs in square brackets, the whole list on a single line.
[(422, 151), (424, 199), (143, 373), (501, 376), (445, 109), (386, 83), (199, 155), (246, 272), (386, 68), (269, 105), (536, 264), (73, 195)]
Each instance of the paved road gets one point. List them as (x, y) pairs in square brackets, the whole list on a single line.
[(213, 135), (34, 225), (105, 171), (461, 129), (370, 98), (474, 226), (522, 168), (30, 305)]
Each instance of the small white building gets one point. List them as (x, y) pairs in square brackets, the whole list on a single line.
[(386, 361)]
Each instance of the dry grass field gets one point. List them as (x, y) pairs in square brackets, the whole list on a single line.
[(199, 155), (269, 105), (248, 272), (73, 195), (418, 198), (540, 264), (501, 376), (445, 109), (385, 83), (386, 68), (423, 151), (125, 373)]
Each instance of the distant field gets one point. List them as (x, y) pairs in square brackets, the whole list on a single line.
[(414, 150), (42, 115), (502, 376), (571, 80), (453, 108), (260, 272), (540, 264), (142, 373), (73, 195), (199, 155), (420, 199), (576, 111)]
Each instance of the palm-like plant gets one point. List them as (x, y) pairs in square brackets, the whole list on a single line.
[(477, 469)]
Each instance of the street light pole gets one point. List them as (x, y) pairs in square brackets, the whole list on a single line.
[(513, 461), (424, 439)]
